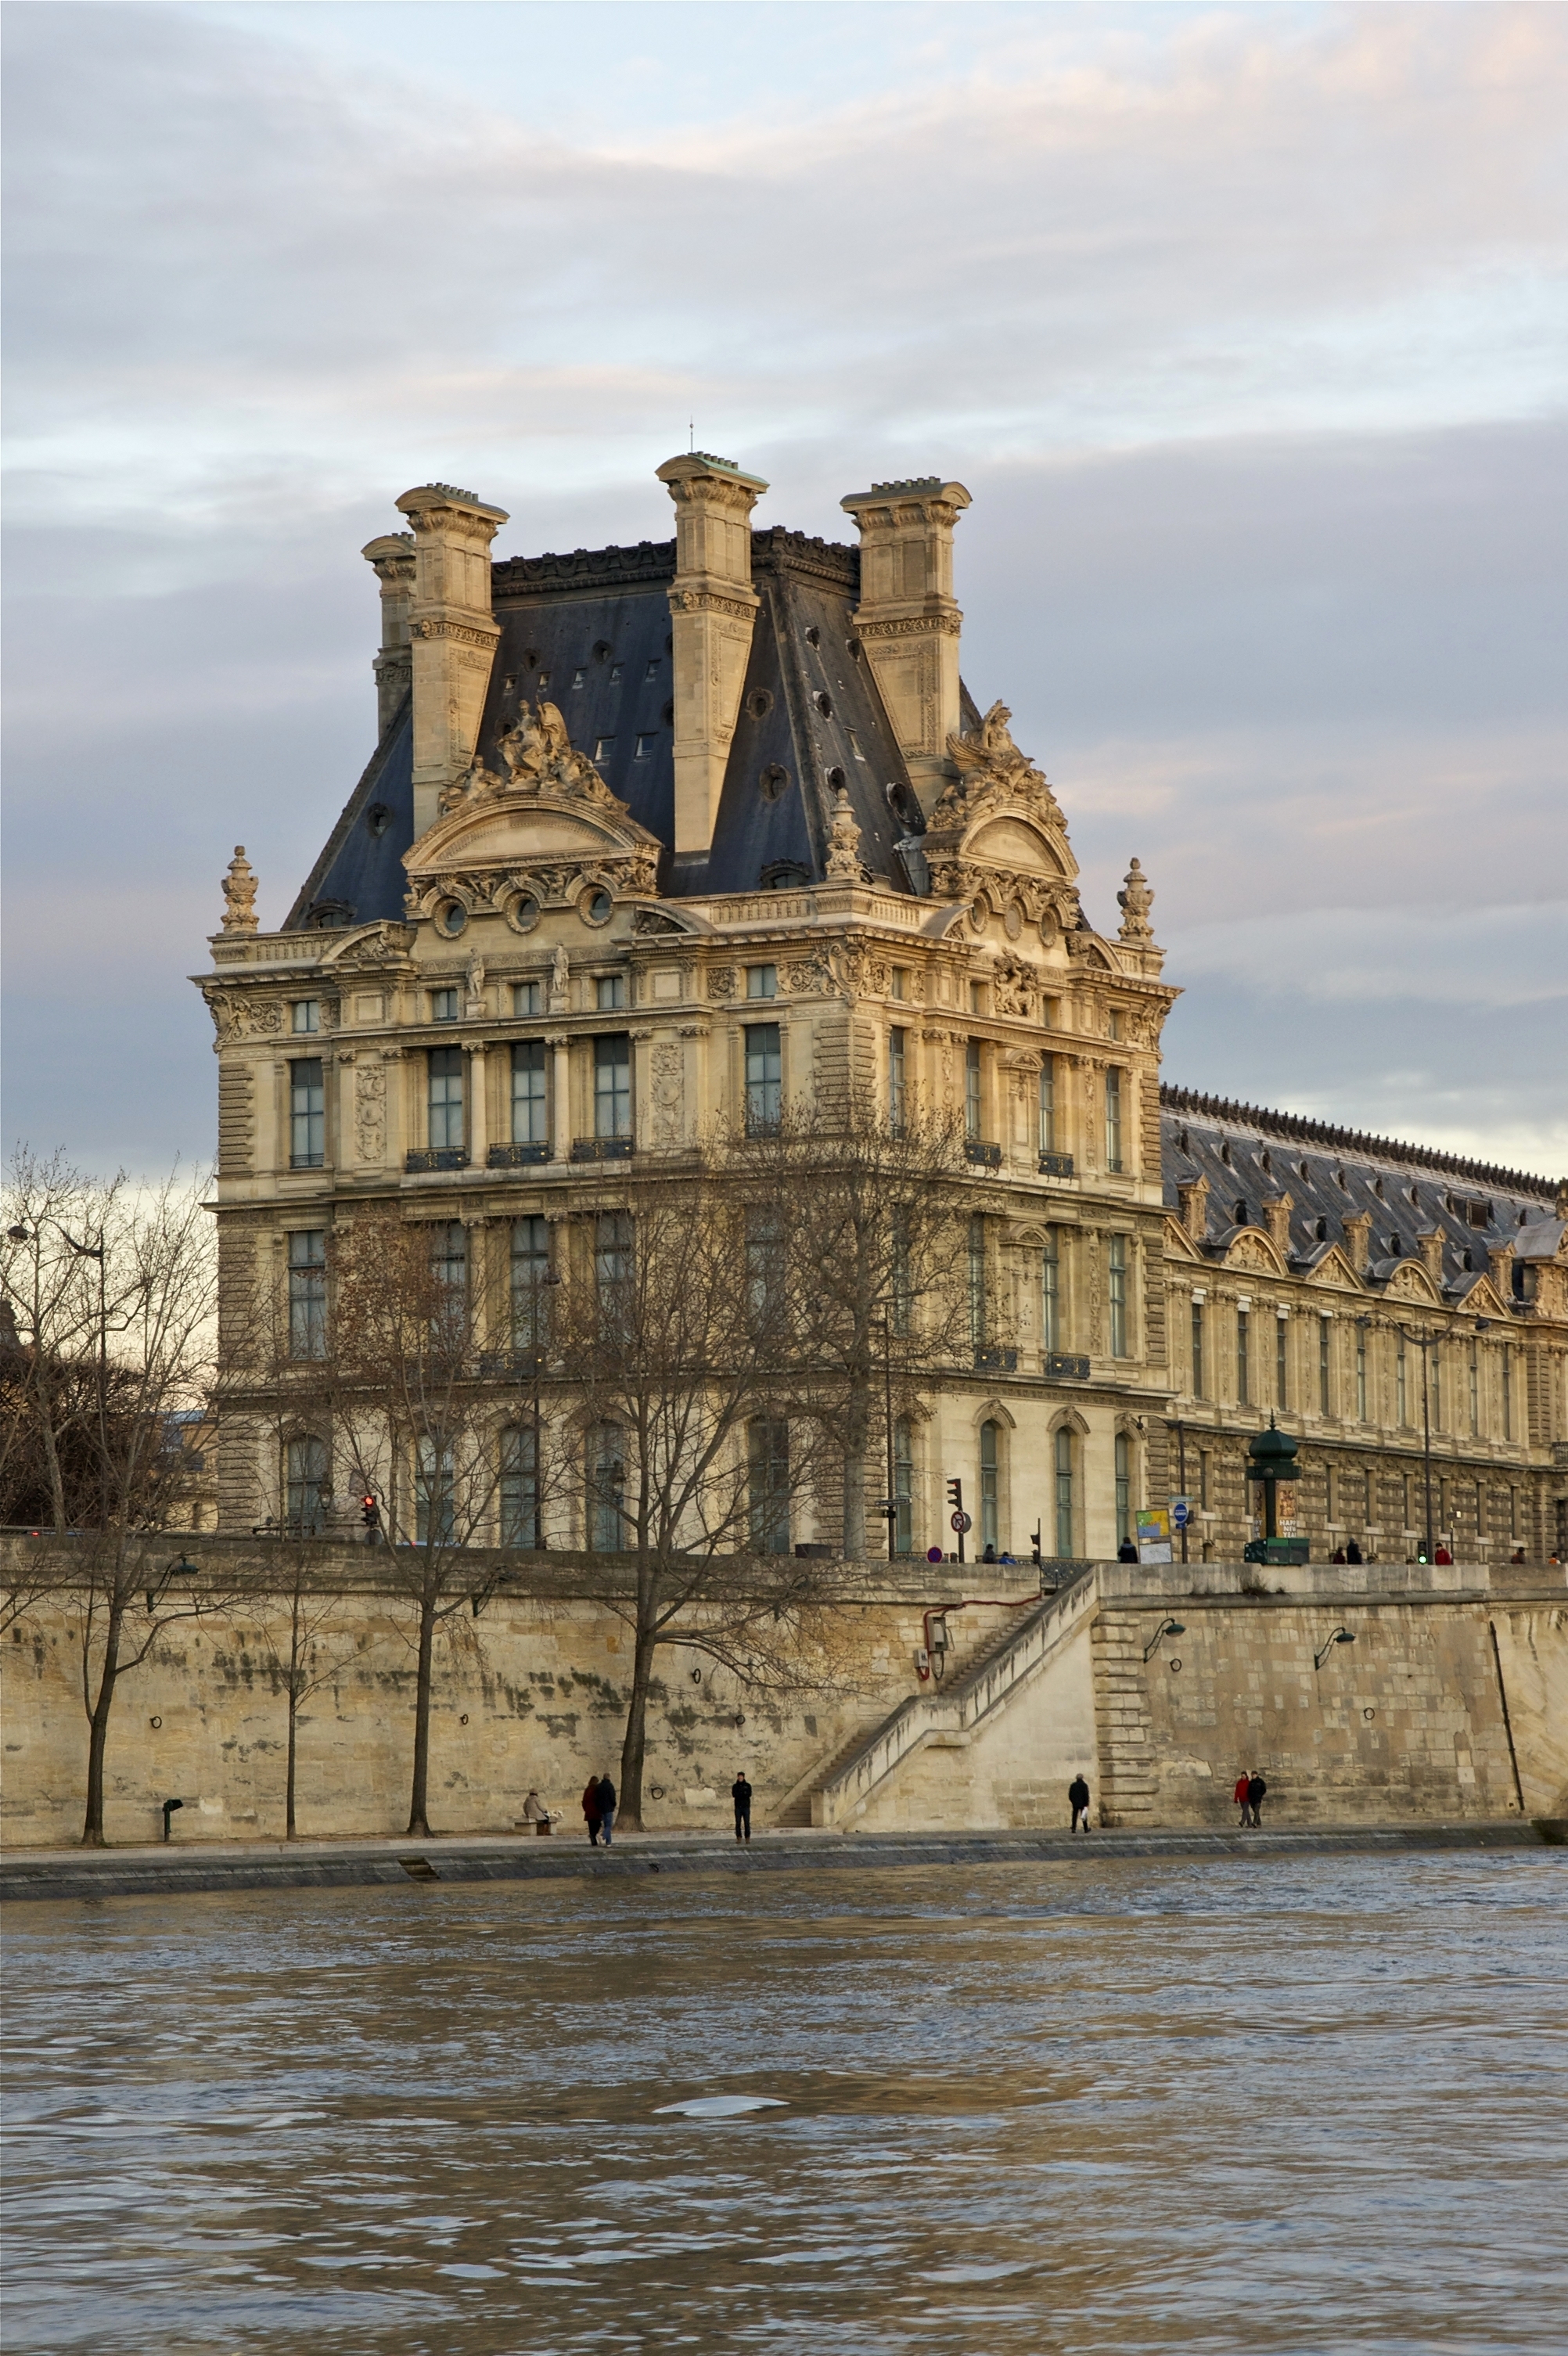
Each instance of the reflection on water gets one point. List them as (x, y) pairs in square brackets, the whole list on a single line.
[(1273, 2106)]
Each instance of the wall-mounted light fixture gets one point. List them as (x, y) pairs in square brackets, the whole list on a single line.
[(1340, 1636), (1165, 1628)]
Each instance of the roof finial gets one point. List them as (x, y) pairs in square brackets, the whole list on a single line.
[(843, 847), (239, 894)]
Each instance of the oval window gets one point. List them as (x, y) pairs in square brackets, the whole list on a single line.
[(450, 917), (824, 704), (523, 912), (595, 907)]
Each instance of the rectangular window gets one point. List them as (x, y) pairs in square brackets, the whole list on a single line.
[(530, 1282), (307, 1475), (1360, 1372), (1324, 1366), (308, 1293), (612, 1085), (519, 1486), (1051, 1291), (530, 1093), (1328, 1514), (972, 1091), (1197, 1391), (612, 1251), (433, 1504), (764, 1078), (1123, 1489), (527, 998), (977, 1282), (307, 1014), (446, 1098), (1203, 1496), (762, 982), (1243, 1357), (1508, 1397), (1402, 1386), (444, 1006), (1064, 1498), (1116, 1274), (307, 1114), (1113, 1024), (989, 1521), (899, 985), (609, 992), (903, 1487), (896, 1041), (977, 998), (580, 676), (764, 1264), (645, 745), (1049, 1105), (1114, 1118), (1282, 1361), (1475, 1373), (449, 1266), (767, 1484), (1513, 1513), (603, 747), (606, 1489)]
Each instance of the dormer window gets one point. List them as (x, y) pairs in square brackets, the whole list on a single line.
[(615, 669), (1396, 1248), (580, 677), (652, 670), (1240, 1215), (645, 745), (1320, 1229), (604, 746), (1263, 1160)]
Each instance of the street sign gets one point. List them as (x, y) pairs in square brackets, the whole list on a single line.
[(1155, 1534), (933, 1553), (961, 1523), (1181, 1511)]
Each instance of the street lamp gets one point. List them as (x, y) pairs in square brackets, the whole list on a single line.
[(1340, 1636), (1165, 1628), (1423, 1343)]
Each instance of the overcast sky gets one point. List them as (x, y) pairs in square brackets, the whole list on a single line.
[(1244, 326)]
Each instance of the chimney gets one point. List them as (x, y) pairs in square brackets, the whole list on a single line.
[(392, 556), (713, 606), (1431, 1253), (453, 633), (1276, 1217), (907, 620), (1358, 1235), (1193, 1196), (1500, 1261)]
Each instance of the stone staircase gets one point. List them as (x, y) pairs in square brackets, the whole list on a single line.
[(839, 1789), (1127, 1779)]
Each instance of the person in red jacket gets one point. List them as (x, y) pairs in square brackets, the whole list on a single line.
[(1239, 1794)]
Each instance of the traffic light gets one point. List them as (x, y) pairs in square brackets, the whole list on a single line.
[(955, 1496), (1035, 1544), (369, 1513)]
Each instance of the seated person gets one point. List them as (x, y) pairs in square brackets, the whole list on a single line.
[(536, 1813)]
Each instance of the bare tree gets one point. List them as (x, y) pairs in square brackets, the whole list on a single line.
[(676, 1326), (875, 1220), (121, 1282)]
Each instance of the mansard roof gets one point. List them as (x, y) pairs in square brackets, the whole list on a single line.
[(1250, 1157), (591, 632)]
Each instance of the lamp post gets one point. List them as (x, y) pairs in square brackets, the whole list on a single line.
[(1271, 1459), (1423, 1343)]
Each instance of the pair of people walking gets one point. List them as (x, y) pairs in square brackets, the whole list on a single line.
[(599, 1810), (1249, 1797)]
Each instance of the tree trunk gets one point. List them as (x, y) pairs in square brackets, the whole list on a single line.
[(418, 1818), (288, 1799), (98, 1728), (629, 1813)]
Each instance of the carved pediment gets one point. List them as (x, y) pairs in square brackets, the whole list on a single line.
[(547, 803), (1012, 841), (1483, 1299), (1410, 1281), (1000, 815), (1253, 1250), (1335, 1270), (1179, 1245)]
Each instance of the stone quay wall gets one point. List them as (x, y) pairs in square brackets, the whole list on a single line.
[(1451, 1704)]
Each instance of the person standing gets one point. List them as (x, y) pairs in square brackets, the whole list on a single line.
[(740, 1793), (1239, 1795), (1077, 1800), (1256, 1787), (590, 1810), (606, 1808)]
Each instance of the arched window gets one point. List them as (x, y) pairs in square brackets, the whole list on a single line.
[(1123, 1488), (309, 1484), (519, 1485), (1064, 1492), (903, 1486), (989, 1436), (606, 1489), (768, 1476)]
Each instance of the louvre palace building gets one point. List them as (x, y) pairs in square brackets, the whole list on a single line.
[(659, 835)]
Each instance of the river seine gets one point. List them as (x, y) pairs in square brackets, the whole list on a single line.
[(1308, 2104)]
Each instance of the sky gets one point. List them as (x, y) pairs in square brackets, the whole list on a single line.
[(1245, 326)]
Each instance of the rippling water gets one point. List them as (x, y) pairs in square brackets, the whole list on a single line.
[(1300, 2105)]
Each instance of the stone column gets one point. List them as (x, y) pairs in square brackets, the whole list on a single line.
[(909, 620), (392, 557), (713, 607), (479, 1108), (453, 632), (561, 1110)]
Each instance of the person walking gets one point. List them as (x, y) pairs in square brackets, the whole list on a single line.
[(1126, 1551), (1256, 1787), (740, 1793), (1078, 1800), (590, 1810), (607, 1809), (1239, 1795)]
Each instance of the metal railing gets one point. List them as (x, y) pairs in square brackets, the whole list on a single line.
[(981, 1151), (516, 1157), (1056, 1165), (603, 1149), (435, 1157), (1065, 1367)]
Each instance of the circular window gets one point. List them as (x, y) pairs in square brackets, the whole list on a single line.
[(1013, 920), (824, 704), (523, 914), (759, 702), (772, 782), (979, 915), (856, 651), (378, 818), (596, 904), (450, 917), (154, 1722), (836, 779)]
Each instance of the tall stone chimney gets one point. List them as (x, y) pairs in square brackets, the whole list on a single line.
[(1192, 1193), (907, 619), (1357, 1238), (392, 557), (453, 633), (712, 608)]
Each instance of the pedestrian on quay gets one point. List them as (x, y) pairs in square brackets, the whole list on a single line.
[(740, 1793), (606, 1808), (1126, 1551), (1239, 1795), (1352, 1552), (1077, 1800), (1256, 1787), (590, 1810)]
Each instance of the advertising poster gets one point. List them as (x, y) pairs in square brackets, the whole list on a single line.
[(1155, 1534)]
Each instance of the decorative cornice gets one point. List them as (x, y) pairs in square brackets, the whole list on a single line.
[(482, 635), (586, 568), (944, 624), (1299, 1130), (709, 601)]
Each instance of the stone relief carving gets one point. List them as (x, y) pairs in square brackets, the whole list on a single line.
[(993, 771), (239, 894), (474, 989), (560, 990), (371, 1111), (1013, 985), (667, 1084), (843, 847), (237, 1015), (721, 981)]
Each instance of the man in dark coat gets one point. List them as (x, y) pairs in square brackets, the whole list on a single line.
[(740, 1793), (607, 1809), (1077, 1800), (590, 1810), (1256, 1787)]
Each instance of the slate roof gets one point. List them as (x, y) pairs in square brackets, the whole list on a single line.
[(591, 631), (1250, 1156)]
